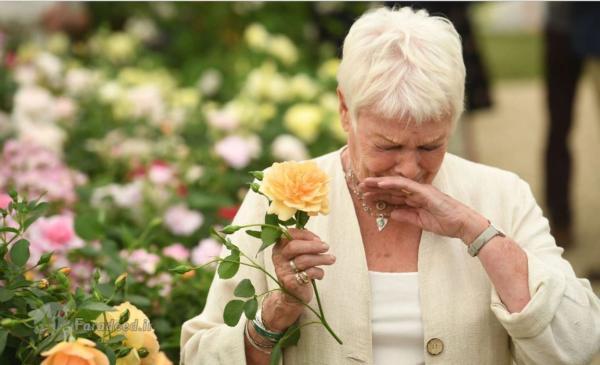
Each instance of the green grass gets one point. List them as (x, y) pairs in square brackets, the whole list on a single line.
[(512, 56)]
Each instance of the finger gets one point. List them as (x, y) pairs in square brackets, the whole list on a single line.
[(300, 247), (291, 283), (394, 182), (386, 197), (304, 262), (315, 273)]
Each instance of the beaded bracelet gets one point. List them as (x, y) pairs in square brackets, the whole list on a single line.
[(253, 343), (259, 327)]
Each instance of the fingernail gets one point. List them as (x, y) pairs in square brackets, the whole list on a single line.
[(325, 246)]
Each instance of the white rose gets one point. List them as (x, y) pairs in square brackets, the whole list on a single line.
[(256, 36), (51, 66), (303, 87), (210, 81), (282, 47), (79, 81), (33, 104)]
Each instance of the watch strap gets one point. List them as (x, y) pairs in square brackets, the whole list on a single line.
[(490, 232)]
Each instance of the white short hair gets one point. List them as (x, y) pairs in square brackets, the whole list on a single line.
[(402, 63)]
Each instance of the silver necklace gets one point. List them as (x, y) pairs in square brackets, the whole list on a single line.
[(381, 216)]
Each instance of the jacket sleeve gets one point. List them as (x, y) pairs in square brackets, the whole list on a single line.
[(561, 322), (206, 339)]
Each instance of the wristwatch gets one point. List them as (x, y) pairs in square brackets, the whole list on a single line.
[(490, 232)]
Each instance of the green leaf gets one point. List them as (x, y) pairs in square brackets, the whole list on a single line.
[(228, 268), (112, 358), (255, 234), (96, 306), (3, 336), (6, 294), (40, 208), (269, 236), (244, 289), (9, 229), (233, 312), (29, 221), (301, 219), (19, 253), (116, 339), (275, 354), (123, 351), (139, 300), (250, 308), (258, 175), (291, 336), (88, 226), (45, 258)]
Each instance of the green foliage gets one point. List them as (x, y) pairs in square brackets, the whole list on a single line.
[(232, 312)]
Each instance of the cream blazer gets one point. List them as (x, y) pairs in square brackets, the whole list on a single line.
[(463, 318)]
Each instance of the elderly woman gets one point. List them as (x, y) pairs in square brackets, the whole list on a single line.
[(438, 260)]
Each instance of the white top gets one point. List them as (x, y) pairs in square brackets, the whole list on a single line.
[(396, 319)]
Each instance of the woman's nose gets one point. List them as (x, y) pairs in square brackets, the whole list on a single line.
[(407, 165)]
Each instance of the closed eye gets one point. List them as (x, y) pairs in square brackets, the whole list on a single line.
[(430, 148)]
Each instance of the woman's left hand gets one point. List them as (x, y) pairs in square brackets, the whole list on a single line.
[(424, 206)]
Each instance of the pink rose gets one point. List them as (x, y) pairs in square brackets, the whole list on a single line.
[(182, 221), (176, 251), (223, 119), (235, 150), (206, 250), (160, 173), (142, 260), (5, 200), (56, 233), (163, 280)]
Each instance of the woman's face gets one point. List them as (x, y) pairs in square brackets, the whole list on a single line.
[(381, 147)]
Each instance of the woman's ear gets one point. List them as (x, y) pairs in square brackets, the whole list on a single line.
[(343, 110)]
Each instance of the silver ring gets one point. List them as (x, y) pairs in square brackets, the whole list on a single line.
[(293, 266), (302, 278)]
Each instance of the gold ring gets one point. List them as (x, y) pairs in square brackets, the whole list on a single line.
[(293, 265), (406, 192), (302, 278)]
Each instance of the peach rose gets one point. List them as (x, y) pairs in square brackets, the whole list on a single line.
[(137, 331), (294, 186), (79, 352), (162, 359)]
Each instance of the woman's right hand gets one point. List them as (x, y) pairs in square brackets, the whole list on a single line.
[(280, 310)]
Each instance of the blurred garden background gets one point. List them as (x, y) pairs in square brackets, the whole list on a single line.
[(138, 123)]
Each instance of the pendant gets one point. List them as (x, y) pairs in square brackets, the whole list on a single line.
[(381, 222)]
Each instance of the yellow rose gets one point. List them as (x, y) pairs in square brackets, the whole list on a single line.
[(256, 36), (304, 120), (79, 352), (302, 86), (282, 47), (329, 69), (294, 186), (137, 331), (162, 359)]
